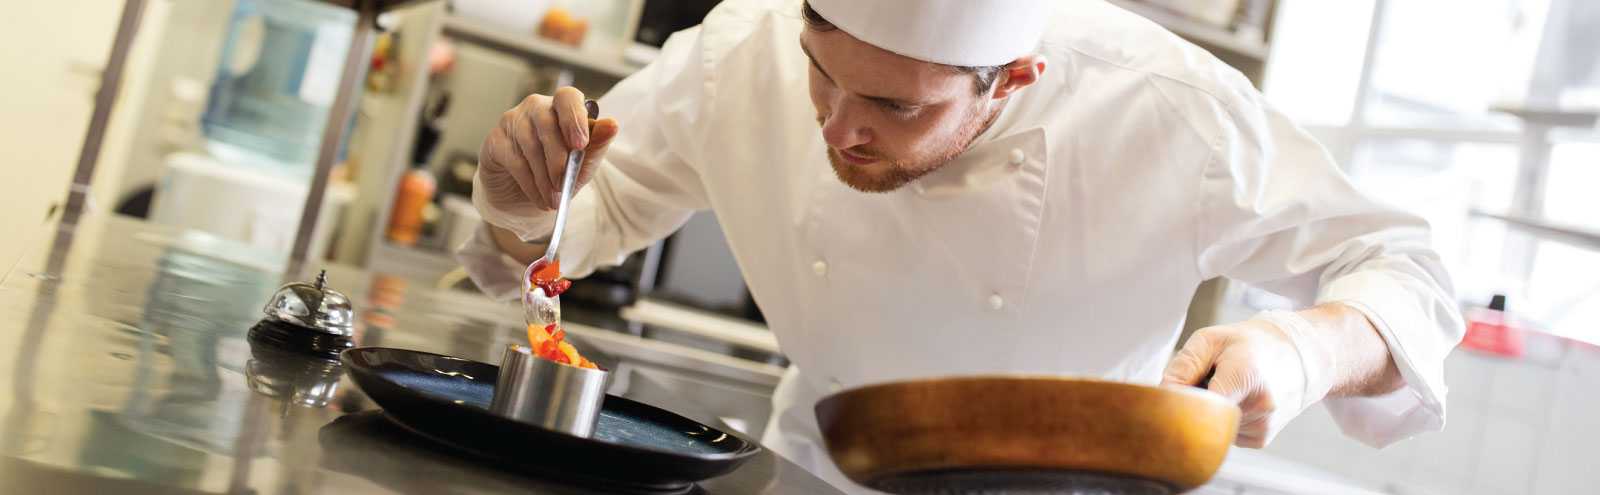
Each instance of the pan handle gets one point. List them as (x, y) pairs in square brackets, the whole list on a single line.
[(1205, 382)]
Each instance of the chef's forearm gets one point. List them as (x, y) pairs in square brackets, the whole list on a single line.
[(521, 251), (1364, 367)]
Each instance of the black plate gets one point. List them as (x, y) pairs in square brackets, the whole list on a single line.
[(447, 398)]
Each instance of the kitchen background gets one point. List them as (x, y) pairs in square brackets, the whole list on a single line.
[(1478, 114)]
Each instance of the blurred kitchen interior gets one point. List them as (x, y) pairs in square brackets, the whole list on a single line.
[(1478, 114)]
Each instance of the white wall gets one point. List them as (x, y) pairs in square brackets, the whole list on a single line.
[(54, 54)]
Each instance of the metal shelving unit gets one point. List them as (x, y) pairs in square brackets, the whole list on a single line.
[(530, 46), (1210, 37), (1244, 53)]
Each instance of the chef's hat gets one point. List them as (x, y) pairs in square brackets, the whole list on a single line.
[(971, 33)]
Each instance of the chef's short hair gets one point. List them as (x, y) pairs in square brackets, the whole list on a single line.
[(982, 76)]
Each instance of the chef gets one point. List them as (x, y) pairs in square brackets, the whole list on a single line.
[(915, 189)]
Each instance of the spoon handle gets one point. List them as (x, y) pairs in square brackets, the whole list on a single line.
[(568, 180)]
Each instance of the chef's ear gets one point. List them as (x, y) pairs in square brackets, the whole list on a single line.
[(1018, 74)]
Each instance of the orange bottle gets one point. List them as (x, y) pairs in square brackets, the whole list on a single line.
[(416, 190), (418, 185)]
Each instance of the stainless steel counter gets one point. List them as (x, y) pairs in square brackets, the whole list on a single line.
[(126, 369)]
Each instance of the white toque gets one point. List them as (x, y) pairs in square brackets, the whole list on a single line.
[(970, 33)]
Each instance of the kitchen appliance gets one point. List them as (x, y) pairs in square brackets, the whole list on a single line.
[(1027, 435), (255, 205), (275, 82), (658, 19)]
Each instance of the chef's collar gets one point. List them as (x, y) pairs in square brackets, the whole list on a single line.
[(989, 157)]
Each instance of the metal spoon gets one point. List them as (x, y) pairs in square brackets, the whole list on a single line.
[(538, 308)]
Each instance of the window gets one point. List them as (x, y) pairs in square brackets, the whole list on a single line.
[(1478, 115)]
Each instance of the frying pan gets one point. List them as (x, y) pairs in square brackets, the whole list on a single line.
[(1027, 435)]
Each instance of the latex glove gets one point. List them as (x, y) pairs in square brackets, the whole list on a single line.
[(523, 161), (1273, 366)]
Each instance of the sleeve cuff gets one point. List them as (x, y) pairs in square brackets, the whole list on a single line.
[(1418, 347), (494, 271)]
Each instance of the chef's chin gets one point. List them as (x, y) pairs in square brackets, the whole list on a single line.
[(876, 177)]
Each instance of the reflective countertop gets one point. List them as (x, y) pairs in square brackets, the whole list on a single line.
[(126, 369)]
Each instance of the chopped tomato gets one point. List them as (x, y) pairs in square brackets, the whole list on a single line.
[(548, 277), (556, 288), (570, 351), (537, 336), (546, 273), (550, 343)]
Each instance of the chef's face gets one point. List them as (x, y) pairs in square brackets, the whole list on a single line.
[(888, 119)]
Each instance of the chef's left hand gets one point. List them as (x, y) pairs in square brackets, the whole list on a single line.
[(1274, 366)]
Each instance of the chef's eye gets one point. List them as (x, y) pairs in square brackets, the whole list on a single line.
[(898, 109)]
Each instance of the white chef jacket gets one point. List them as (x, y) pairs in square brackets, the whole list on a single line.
[(1068, 239)]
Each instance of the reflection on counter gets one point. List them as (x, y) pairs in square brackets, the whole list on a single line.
[(132, 372)]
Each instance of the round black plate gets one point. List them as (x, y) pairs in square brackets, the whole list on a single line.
[(447, 398)]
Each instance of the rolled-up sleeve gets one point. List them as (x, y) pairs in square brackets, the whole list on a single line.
[(1277, 213), (645, 187)]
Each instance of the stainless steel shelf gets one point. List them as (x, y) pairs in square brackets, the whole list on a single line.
[(381, 5), (528, 45), (1207, 36), (1569, 235)]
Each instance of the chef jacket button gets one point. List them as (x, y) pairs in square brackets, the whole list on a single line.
[(995, 302), (820, 268), (1017, 156), (834, 386)]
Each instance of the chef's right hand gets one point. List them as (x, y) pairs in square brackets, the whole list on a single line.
[(521, 164)]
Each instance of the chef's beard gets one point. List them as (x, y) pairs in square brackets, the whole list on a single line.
[(888, 174)]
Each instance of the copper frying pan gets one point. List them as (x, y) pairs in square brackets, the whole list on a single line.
[(1027, 435)]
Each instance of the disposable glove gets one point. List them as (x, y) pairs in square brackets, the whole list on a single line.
[(1273, 365), (523, 161)]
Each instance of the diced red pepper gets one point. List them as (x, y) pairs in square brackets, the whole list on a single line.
[(537, 336), (547, 274), (538, 266), (556, 288), (559, 335), (571, 352), (548, 277)]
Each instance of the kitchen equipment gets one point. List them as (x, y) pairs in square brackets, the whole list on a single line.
[(257, 205), (275, 82), (1027, 435), (557, 396), (537, 308), (634, 444), (313, 307), (307, 318)]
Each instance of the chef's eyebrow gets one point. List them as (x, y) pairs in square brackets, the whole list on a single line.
[(879, 99)]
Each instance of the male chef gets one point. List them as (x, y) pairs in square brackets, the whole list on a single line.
[(962, 187)]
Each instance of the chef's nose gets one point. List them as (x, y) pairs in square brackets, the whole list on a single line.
[(844, 129)]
